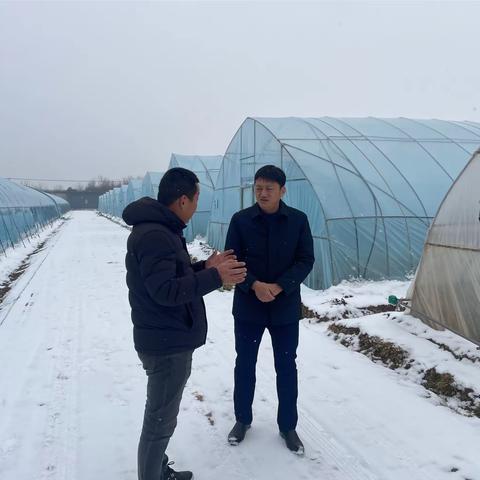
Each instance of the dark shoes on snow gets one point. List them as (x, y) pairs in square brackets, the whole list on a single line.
[(237, 434), (293, 442), (171, 474)]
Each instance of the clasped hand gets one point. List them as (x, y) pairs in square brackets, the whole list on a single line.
[(266, 292)]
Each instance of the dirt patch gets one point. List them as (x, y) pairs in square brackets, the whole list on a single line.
[(373, 347), (315, 317), (396, 358), (345, 335), (338, 328), (388, 353), (345, 311), (458, 356), (372, 309), (199, 396), (445, 386), (7, 285), (210, 418)]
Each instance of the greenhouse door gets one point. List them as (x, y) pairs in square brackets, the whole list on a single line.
[(247, 196)]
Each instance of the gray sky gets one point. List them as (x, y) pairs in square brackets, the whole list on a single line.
[(89, 89)]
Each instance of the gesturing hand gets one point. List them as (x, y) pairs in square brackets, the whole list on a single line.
[(217, 258), (231, 271)]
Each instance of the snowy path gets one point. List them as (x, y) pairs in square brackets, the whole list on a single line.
[(72, 389)]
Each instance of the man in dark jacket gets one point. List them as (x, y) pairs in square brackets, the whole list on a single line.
[(168, 312), (276, 244)]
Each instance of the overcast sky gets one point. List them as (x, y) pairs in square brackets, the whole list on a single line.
[(111, 89)]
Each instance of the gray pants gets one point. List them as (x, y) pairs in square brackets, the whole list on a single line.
[(167, 375)]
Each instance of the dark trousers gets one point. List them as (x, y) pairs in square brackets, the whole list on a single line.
[(167, 375), (284, 342)]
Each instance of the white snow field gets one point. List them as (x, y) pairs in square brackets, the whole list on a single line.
[(72, 389)]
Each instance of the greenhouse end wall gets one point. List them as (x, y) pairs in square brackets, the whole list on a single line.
[(446, 292)]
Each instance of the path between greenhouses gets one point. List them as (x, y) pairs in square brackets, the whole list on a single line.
[(72, 389)]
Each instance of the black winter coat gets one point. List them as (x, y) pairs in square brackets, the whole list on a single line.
[(276, 249), (165, 288)]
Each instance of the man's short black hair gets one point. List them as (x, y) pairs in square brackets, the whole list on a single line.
[(272, 173), (175, 183)]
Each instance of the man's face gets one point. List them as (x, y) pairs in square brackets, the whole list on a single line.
[(268, 194), (189, 207)]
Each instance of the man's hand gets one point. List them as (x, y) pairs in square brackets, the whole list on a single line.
[(275, 288), (231, 271), (263, 291), (217, 258), (266, 292)]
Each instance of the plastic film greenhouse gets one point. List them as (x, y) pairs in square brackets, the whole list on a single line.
[(370, 186), (206, 168), (150, 183), (446, 291), (24, 211), (134, 190)]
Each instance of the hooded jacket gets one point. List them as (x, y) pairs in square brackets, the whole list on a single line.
[(165, 288)]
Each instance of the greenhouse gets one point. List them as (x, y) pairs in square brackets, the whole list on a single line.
[(23, 211), (123, 199), (446, 291), (150, 183), (107, 203), (370, 186), (61, 204), (134, 190), (206, 168), (119, 200), (116, 200), (103, 203)]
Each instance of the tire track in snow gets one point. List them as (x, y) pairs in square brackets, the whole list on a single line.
[(28, 395), (386, 442), (29, 273)]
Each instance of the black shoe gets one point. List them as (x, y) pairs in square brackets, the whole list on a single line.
[(171, 474), (237, 434), (293, 442)]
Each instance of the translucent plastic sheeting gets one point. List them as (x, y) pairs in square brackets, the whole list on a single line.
[(369, 186), (206, 167), (134, 190), (23, 211), (150, 183), (446, 292)]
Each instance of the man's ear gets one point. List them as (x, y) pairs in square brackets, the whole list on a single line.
[(283, 190)]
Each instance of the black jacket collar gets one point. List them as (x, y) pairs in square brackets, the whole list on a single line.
[(282, 210)]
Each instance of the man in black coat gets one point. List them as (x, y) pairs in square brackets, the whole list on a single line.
[(276, 244), (168, 312)]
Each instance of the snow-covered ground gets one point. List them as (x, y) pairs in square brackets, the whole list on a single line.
[(72, 388)]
